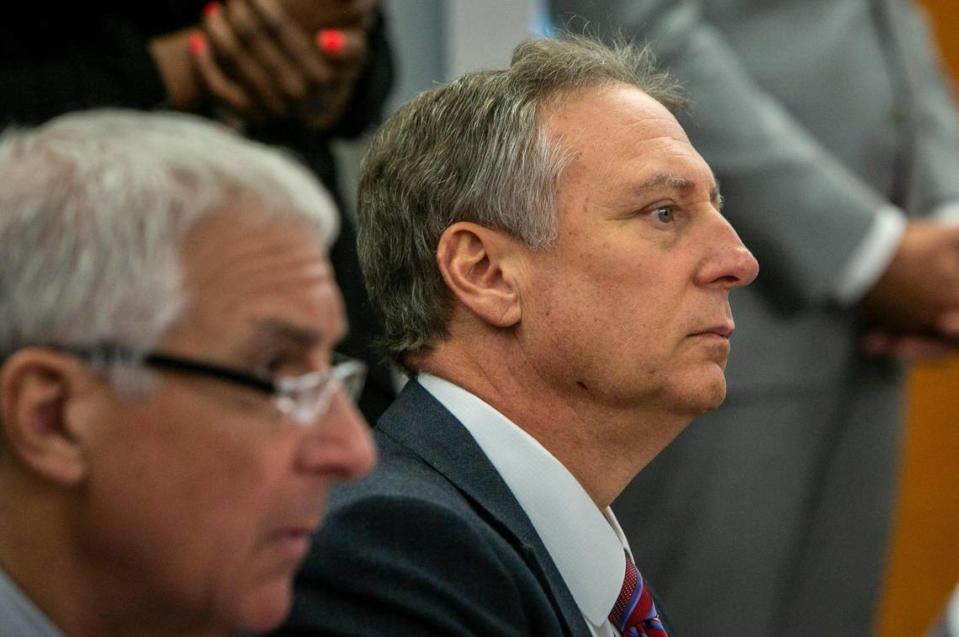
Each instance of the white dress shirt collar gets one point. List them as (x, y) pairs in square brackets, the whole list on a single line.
[(586, 544)]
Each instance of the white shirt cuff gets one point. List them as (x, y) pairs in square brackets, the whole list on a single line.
[(952, 614), (873, 255), (947, 214)]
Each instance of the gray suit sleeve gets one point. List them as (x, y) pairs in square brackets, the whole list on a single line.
[(797, 208), (935, 173)]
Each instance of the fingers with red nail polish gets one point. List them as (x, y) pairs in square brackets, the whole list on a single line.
[(299, 49), (218, 85), (342, 45), (197, 44), (260, 62), (330, 41)]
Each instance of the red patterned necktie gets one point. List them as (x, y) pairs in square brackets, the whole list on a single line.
[(634, 613)]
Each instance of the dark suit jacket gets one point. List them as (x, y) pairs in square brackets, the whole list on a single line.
[(432, 543)]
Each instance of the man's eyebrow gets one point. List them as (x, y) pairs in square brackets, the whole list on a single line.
[(679, 183), (276, 329), (664, 179)]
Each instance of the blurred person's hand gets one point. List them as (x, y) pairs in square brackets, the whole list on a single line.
[(345, 51), (260, 65), (314, 15), (914, 307), (913, 348), (172, 59)]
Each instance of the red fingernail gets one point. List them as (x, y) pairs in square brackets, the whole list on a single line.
[(210, 9), (197, 43), (331, 41)]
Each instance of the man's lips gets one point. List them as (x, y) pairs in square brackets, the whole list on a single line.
[(724, 330), (303, 530), (294, 541)]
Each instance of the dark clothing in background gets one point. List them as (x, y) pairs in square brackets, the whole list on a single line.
[(66, 57)]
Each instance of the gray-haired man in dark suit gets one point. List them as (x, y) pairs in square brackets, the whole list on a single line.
[(548, 254)]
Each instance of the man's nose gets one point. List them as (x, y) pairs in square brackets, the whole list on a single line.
[(340, 446), (729, 264)]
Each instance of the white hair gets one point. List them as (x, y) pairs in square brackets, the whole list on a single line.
[(93, 207)]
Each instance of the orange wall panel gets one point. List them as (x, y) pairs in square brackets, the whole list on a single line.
[(924, 561)]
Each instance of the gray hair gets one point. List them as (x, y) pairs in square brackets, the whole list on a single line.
[(94, 205), (473, 150)]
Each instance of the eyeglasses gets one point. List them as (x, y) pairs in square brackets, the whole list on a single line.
[(303, 399)]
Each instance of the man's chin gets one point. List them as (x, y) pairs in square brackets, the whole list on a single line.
[(265, 610), (707, 398)]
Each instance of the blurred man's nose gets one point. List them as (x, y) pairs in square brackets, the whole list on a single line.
[(340, 445)]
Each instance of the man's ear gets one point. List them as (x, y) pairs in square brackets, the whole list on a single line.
[(36, 386), (480, 267)]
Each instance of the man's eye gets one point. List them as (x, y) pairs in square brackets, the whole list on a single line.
[(282, 364), (269, 366), (664, 214)]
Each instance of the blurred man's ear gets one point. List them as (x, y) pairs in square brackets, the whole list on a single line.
[(36, 386), (479, 266)]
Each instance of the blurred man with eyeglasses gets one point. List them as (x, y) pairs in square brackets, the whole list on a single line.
[(171, 413)]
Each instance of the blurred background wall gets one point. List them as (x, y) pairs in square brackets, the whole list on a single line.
[(438, 40)]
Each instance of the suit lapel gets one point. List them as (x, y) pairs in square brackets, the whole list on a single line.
[(420, 423)]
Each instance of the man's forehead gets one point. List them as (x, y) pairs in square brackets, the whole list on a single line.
[(305, 317), (267, 277), (617, 135), (610, 106)]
